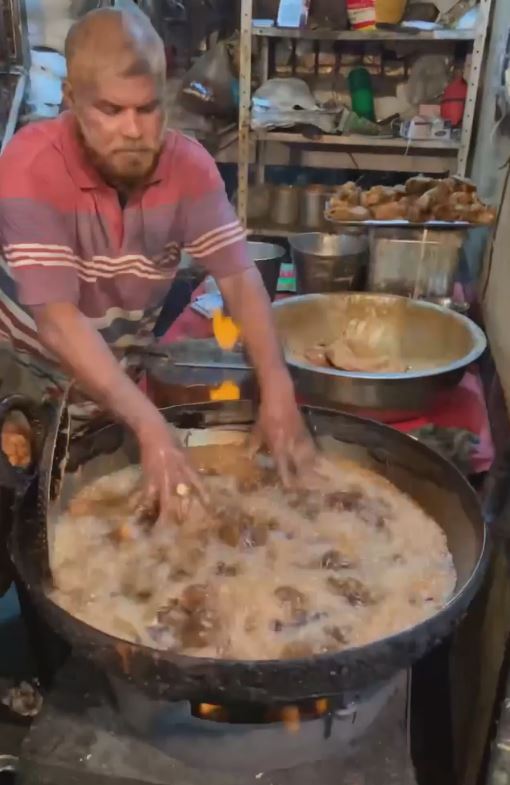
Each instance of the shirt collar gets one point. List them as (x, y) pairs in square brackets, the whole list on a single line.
[(82, 171)]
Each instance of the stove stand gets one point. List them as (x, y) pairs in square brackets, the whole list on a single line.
[(81, 738)]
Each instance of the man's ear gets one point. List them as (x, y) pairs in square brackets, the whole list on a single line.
[(67, 92)]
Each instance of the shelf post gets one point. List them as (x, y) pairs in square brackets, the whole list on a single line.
[(244, 110), (260, 148), (477, 63)]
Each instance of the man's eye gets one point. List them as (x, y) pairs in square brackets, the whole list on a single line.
[(149, 108), (110, 110)]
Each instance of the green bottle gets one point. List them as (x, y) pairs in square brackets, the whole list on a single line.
[(362, 93)]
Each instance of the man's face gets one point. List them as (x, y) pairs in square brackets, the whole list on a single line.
[(122, 122)]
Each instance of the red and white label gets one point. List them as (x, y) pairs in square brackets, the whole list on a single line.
[(361, 14)]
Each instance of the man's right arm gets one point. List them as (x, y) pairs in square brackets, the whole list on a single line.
[(82, 352), (36, 232), (70, 337), (37, 227)]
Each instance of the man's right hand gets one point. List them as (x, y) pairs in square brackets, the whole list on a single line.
[(169, 477), (81, 350)]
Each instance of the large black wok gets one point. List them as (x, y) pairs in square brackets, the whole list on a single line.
[(417, 470)]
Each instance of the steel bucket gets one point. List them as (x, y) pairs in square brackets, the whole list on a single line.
[(268, 258), (329, 262)]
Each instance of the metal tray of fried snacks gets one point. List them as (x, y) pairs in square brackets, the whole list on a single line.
[(403, 224)]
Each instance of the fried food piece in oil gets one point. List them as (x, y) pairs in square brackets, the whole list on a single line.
[(16, 445), (353, 590)]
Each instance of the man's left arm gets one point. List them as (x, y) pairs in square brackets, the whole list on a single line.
[(214, 236), (248, 303), (280, 425)]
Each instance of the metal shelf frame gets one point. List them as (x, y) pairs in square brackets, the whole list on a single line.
[(335, 140), (375, 152), (318, 34), (14, 65)]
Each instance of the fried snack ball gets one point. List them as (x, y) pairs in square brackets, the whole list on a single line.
[(16, 445)]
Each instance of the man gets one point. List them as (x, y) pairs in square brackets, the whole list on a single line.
[(95, 207)]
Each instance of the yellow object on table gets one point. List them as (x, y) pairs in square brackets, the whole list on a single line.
[(227, 334), (225, 330), (227, 391), (389, 12)]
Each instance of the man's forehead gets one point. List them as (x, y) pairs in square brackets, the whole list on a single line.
[(110, 87)]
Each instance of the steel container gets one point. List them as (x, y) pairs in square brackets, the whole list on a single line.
[(329, 262), (437, 344), (313, 205), (268, 258), (414, 262), (285, 207)]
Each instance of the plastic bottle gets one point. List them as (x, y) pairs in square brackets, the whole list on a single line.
[(453, 102), (362, 93)]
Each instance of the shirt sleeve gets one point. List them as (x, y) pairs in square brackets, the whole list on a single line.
[(212, 232), (35, 240)]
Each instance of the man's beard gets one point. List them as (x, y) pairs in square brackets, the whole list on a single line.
[(122, 180)]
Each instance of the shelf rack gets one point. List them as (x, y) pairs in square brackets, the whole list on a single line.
[(319, 34), (332, 151), (14, 65)]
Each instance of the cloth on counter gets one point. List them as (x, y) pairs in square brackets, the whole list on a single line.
[(351, 123), (268, 119), (47, 73), (283, 103), (189, 324), (463, 408), (206, 304), (455, 444), (209, 301), (286, 95)]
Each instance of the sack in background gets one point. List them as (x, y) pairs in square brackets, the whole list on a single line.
[(209, 86)]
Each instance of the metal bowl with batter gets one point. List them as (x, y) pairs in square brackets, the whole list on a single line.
[(434, 343)]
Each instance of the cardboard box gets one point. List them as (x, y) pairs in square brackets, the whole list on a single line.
[(431, 111)]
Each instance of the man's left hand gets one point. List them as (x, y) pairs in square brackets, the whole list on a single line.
[(280, 427)]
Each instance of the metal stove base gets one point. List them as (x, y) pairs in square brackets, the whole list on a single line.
[(80, 739)]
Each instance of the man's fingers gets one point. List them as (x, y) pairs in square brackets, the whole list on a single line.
[(255, 442), (283, 467), (194, 481), (176, 495), (305, 457), (173, 496), (149, 496)]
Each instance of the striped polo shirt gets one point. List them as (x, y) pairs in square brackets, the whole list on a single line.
[(66, 238)]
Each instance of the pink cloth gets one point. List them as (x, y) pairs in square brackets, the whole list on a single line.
[(463, 407), (189, 324)]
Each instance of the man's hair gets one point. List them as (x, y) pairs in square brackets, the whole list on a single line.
[(111, 40)]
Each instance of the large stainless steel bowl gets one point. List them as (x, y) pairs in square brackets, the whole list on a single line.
[(435, 342), (329, 262)]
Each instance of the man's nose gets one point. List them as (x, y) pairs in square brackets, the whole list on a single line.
[(131, 125)]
